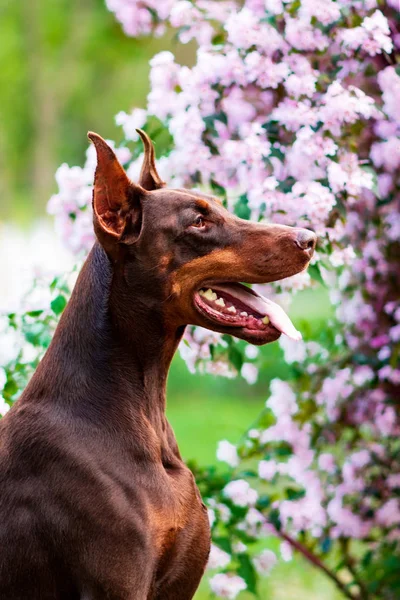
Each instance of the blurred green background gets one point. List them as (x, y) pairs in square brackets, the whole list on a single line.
[(67, 67)]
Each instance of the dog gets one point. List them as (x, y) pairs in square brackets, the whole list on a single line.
[(95, 500)]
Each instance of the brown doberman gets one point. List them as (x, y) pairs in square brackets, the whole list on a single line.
[(95, 500)]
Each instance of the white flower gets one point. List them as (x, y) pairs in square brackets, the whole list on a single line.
[(394, 480), (265, 562), (389, 514), (240, 493), (218, 559), (228, 586), (249, 372), (227, 452), (286, 551), (253, 434), (282, 400), (239, 547), (211, 516), (3, 378), (251, 352), (267, 469), (294, 351), (224, 512), (326, 462), (4, 407), (135, 120)]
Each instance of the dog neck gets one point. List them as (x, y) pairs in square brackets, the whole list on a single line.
[(110, 354)]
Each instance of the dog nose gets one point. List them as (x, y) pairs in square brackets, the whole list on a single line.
[(306, 240)]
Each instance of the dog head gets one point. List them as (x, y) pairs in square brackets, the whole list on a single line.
[(186, 257)]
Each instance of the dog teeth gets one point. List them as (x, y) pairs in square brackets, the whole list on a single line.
[(244, 314), (232, 309), (209, 295), (220, 302), (265, 320)]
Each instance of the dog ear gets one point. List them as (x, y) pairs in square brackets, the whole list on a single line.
[(149, 178), (116, 200)]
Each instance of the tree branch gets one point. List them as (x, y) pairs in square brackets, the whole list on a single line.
[(314, 560), (364, 595)]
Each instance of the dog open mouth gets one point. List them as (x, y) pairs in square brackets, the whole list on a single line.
[(236, 305)]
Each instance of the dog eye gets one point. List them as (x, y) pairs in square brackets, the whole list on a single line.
[(199, 222)]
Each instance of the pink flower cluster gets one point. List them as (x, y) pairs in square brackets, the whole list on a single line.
[(192, 20)]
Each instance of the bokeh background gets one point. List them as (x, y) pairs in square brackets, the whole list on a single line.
[(67, 67)]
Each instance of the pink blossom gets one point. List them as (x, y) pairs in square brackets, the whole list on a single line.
[(303, 36), (286, 551), (326, 462), (228, 586), (394, 480), (265, 562), (227, 452), (342, 106), (240, 493), (282, 400), (131, 122), (249, 372), (294, 114), (325, 11), (387, 154), (347, 175), (267, 469), (218, 559), (389, 514), (389, 82)]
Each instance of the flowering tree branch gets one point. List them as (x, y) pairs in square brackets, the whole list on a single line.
[(317, 562)]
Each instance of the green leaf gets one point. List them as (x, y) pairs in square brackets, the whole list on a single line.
[(218, 189), (248, 572), (218, 39), (34, 313), (275, 519), (235, 357), (242, 209), (272, 129), (10, 388), (284, 449), (264, 501), (293, 494), (34, 332), (58, 304), (54, 283), (224, 543), (326, 544), (286, 185), (315, 274)]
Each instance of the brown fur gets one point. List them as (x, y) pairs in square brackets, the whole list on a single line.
[(96, 502)]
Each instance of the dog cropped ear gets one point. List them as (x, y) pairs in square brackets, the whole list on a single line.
[(116, 200), (149, 178)]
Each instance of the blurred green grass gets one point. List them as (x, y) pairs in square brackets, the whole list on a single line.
[(67, 67), (204, 409)]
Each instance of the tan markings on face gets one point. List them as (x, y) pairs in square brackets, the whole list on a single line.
[(165, 261), (219, 263), (202, 204)]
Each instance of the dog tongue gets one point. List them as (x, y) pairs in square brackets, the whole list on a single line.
[(280, 319), (263, 306)]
